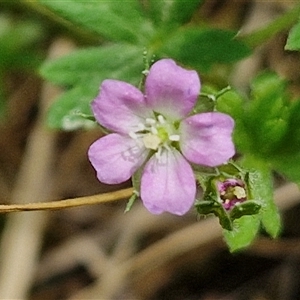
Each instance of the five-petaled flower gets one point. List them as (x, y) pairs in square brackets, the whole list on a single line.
[(157, 132)]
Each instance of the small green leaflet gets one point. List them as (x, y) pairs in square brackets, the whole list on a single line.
[(201, 48), (112, 20), (293, 41), (166, 12)]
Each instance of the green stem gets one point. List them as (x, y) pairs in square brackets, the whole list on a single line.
[(283, 22), (214, 97), (223, 91)]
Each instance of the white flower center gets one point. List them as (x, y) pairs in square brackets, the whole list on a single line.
[(156, 133)]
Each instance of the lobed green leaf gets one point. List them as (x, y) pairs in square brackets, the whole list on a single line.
[(114, 20), (288, 165), (293, 41), (261, 187), (123, 62), (263, 123), (201, 48), (250, 207), (83, 71), (16, 43), (244, 231), (166, 12), (65, 112), (231, 103)]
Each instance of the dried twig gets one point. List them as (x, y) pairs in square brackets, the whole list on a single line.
[(68, 203)]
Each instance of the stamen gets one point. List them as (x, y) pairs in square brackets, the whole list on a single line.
[(161, 119), (141, 127), (174, 137), (150, 121)]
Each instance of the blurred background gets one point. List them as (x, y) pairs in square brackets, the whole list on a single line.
[(98, 252)]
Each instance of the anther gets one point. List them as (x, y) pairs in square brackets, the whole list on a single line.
[(174, 137), (140, 127), (161, 119), (150, 121)]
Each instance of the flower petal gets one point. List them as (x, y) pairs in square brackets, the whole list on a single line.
[(171, 90), (116, 157), (206, 138), (120, 107), (168, 184)]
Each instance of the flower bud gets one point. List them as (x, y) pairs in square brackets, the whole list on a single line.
[(231, 191)]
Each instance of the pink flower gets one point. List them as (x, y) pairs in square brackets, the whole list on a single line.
[(155, 131)]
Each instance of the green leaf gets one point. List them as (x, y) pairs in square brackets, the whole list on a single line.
[(203, 104), (293, 41), (230, 170), (285, 158), (291, 140), (65, 112), (261, 187), (244, 232), (249, 207), (113, 20), (205, 207), (17, 40), (201, 48), (264, 121), (231, 103), (165, 12), (267, 85), (279, 24), (288, 165), (269, 127), (270, 218), (123, 62), (83, 71)]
